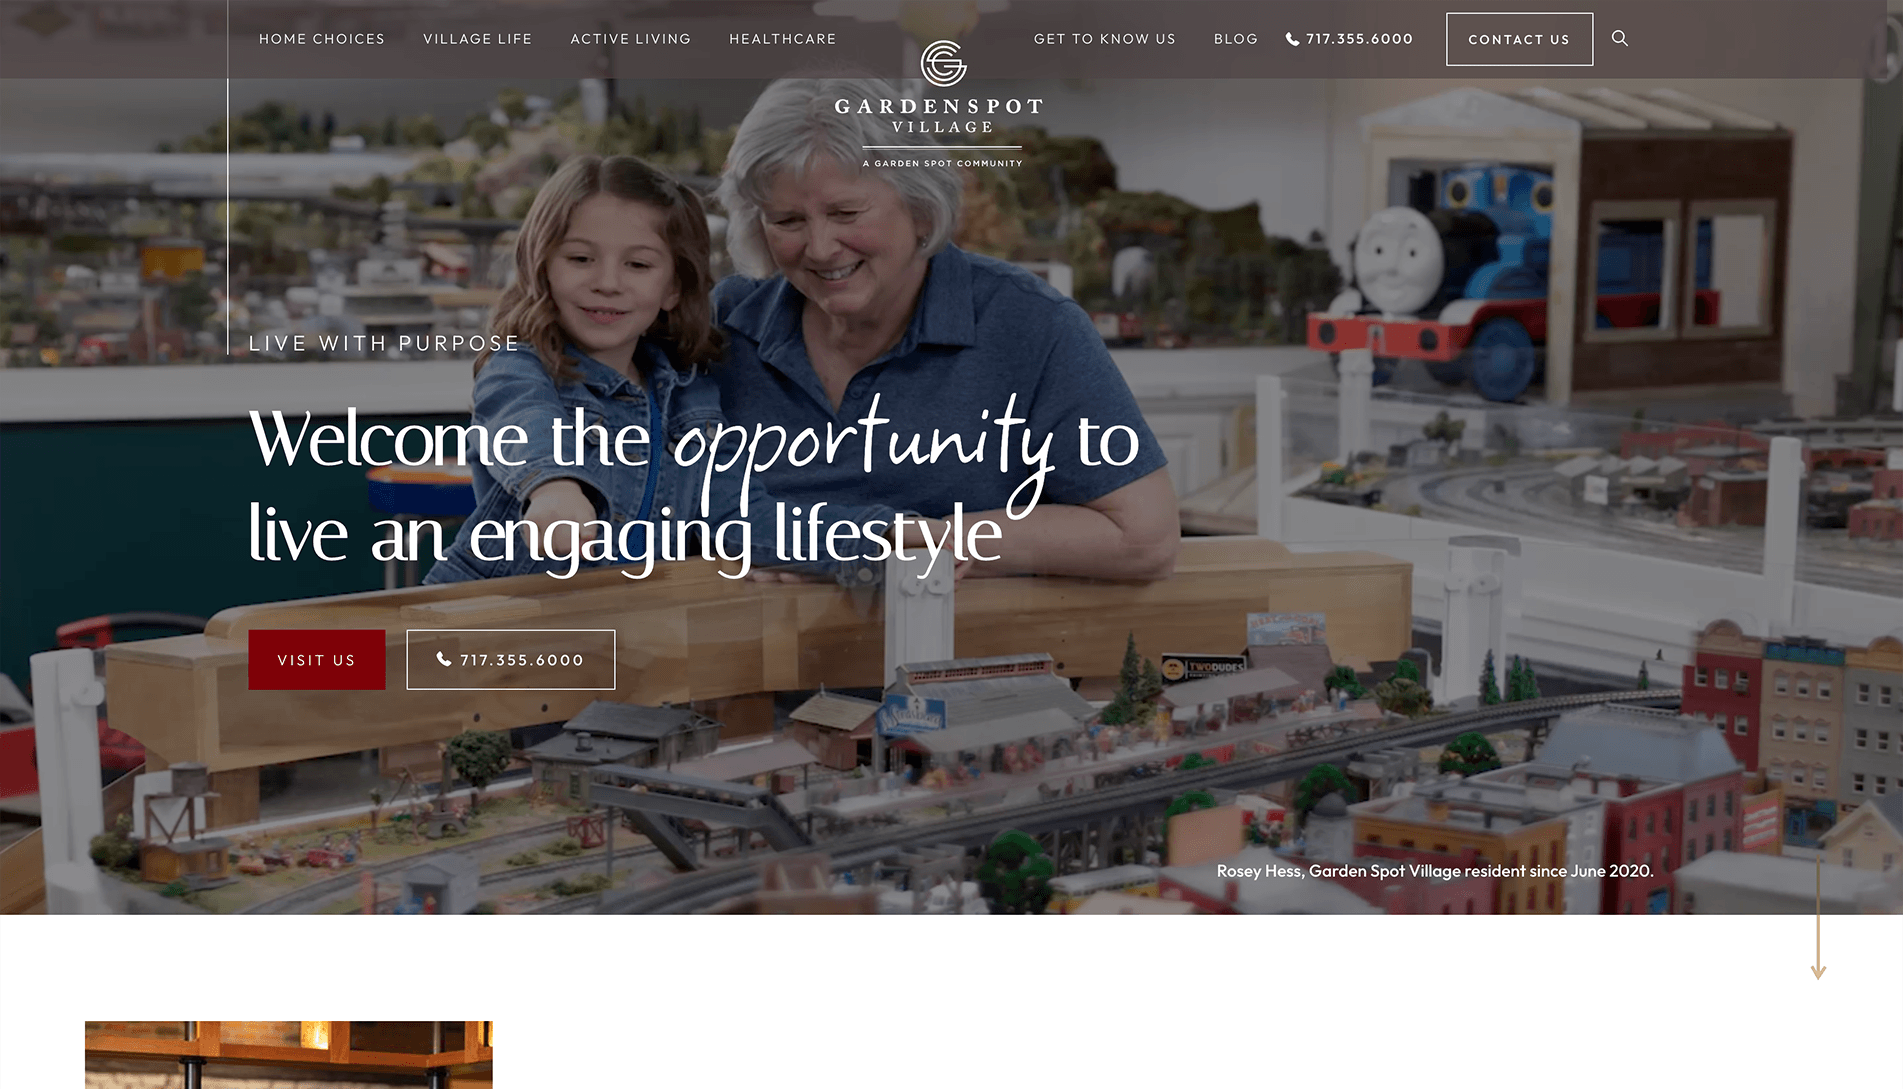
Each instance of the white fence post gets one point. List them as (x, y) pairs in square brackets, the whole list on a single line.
[(1896, 380), (66, 693), (918, 620), (918, 610), (1477, 588), (1357, 389), (1271, 429), (1783, 508)]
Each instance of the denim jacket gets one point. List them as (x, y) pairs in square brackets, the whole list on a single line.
[(514, 388)]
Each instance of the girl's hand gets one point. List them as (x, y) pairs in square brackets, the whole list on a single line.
[(559, 501)]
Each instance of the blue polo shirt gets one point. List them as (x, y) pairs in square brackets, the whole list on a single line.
[(983, 330)]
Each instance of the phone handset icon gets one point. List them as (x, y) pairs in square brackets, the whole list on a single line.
[(443, 658), (1292, 39)]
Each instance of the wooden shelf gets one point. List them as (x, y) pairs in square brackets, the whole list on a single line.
[(208, 1043)]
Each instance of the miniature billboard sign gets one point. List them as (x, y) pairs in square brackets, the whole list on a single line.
[(1596, 490), (1762, 822), (1178, 668), (901, 715), (1288, 629)]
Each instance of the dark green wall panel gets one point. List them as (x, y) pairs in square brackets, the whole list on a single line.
[(113, 517)]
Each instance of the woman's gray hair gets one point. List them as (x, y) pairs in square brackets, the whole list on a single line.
[(796, 120)]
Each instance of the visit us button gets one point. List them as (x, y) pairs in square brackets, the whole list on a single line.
[(316, 659), (1519, 39)]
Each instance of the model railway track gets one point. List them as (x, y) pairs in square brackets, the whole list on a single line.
[(1870, 431), (704, 889), (1537, 506), (585, 904), (582, 863), (304, 901)]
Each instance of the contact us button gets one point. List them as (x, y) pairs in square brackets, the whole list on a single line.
[(1519, 39)]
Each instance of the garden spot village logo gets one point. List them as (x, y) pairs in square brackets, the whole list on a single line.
[(941, 65), (933, 116)]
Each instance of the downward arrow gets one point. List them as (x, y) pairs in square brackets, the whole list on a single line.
[(1817, 970)]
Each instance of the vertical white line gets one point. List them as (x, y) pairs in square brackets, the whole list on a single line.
[(228, 302)]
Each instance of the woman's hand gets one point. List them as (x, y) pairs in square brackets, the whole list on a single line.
[(559, 501)]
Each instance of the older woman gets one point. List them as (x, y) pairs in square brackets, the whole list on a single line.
[(850, 290)]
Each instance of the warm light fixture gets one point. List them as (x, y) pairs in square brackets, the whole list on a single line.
[(314, 1034)]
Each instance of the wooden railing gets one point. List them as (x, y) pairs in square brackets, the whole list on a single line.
[(686, 633)]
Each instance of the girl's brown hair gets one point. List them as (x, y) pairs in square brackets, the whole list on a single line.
[(526, 311)]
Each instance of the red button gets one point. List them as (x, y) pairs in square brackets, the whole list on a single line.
[(317, 659)]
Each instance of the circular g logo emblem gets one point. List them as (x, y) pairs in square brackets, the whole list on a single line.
[(1172, 669), (940, 64)]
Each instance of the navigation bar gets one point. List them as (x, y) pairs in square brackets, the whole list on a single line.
[(748, 39)]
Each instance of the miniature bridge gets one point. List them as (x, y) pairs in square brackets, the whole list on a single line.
[(656, 800)]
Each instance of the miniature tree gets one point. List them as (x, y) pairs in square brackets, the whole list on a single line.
[(1195, 760), (1469, 754), (1406, 670), (1489, 684), (1132, 670), (1015, 876), (1444, 428), (1190, 802), (1403, 697), (116, 850), (1342, 679), (1138, 684), (1321, 781), (376, 806), (1521, 683), (478, 756), (1149, 683), (1645, 677)]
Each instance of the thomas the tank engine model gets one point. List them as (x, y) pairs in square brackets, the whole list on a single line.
[(1461, 283)]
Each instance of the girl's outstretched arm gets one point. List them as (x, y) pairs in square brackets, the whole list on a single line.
[(514, 390)]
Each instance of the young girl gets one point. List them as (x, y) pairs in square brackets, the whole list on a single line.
[(611, 301)]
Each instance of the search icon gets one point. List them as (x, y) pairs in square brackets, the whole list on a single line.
[(1619, 37)]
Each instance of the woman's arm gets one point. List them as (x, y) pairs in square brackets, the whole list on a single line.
[(1098, 518), (1131, 533)]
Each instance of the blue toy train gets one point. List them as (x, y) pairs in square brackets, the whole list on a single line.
[(1459, 280)]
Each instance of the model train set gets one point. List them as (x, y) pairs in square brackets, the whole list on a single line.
[(1604, 241), (1460, 281)]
